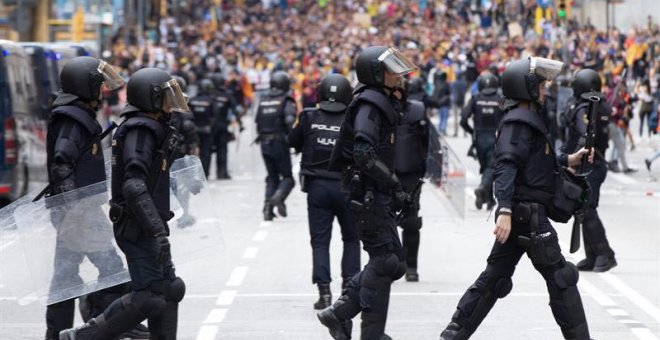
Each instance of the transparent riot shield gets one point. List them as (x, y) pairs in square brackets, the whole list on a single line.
[(446, 171), (65, 243), (196, 223)]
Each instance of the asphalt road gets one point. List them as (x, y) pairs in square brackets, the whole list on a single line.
[(257, 285)]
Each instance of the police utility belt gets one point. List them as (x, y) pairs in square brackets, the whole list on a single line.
[(125, 226), (369, 217), (541, 247)]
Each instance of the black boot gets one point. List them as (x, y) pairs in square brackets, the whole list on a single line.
[(277, 200), (411, 274), (339, 329), (585, 265), (87, 331), (268, 211), (454, 332), (479, 198), (325, 296), (50, 335), (604, 263)]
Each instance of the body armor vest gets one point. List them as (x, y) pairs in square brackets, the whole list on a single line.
[(321, 132), (270, 114), (412, 140), (222, 110), (202, 109), (158, 179), (90, 165), (487, 113)]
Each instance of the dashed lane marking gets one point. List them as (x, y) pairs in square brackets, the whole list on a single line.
[(250, 252), (260, 235), (216, 316), (632, 295), (643, 333), (237, 276), (226, 298), (265, 223), (207, 332)]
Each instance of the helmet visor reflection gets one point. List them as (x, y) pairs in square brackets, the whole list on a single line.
[(175, 98), (111, 78), (396, 62), (547, 69)]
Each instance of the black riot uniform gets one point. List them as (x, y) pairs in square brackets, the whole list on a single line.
[(75, 160), (142, 149), (365, 152), (412, 144), (275, 115), (525, 179), (225, 107), (184, 125), (204, 111), (315, 134), (484, 108), (600, 256)]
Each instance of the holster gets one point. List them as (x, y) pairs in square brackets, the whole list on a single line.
[(368, 217), (542, 251), (351, 181), (303, 182), (121, 223)]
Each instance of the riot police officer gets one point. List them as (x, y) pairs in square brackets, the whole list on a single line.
[(314, 134), (600, 256), (225, 107), (415, 90), (75, 160), (275, 115), (486, 114), (527, 194), (142, 150), (186, 130), (203, 110), (365, 152), (412, 144)]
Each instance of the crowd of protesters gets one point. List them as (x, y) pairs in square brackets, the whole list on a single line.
[(452, 42)]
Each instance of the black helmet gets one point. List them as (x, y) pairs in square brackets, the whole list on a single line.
[(150, 87), (373, 61), (218, 80), (279, 80), (488, 83), (335, 93), (521, 78), (586, 80), (205, 86), (182, 82), (415, 85), (81, 78)]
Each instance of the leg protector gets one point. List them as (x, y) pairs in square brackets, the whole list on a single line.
[(126, 313), (411, 239), (373, 326), (60, 315), (163, 326), (476, 303), (339, 328), (566, 303)]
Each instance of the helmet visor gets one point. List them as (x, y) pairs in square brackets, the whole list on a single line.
[(547, 69), (111, 78), (396, 62), (175, 98)]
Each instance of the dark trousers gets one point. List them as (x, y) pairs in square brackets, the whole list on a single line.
[(60, 315), (495, 281), (485, 143), (410, 221), (221, 140), (277, 159), (325, 201), (595, 240), (205, 144)]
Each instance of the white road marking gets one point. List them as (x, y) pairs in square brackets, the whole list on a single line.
[(237, 276), (265, 223), (5, 245), (260, 235), (207, 332), (250, 252), (632, 295), (216, 316), (617, 312), (595, 293), (226, 298), (627, 321)]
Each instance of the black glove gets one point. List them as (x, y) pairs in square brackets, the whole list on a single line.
[(162, 248), (401, 198)]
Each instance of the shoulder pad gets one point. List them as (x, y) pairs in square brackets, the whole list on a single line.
[(79, 115), (527, 117), (377, 99), (149, 123), (415, 112)]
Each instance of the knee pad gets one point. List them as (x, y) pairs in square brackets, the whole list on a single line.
[(400, 270), (502, 287), (146, 302), (567, 276), (175, 290)]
